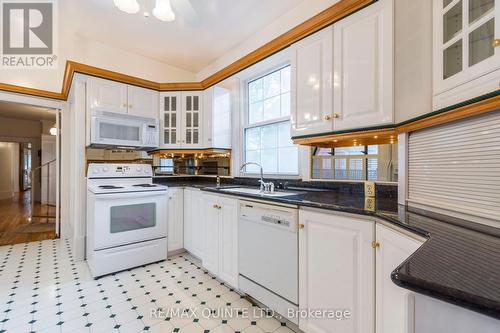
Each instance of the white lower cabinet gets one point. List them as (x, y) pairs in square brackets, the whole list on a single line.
[(221, 255), (336, 271), (175, 219), (395, 306), (194, 222)]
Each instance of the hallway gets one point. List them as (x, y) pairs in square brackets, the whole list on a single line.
[(14, 220)]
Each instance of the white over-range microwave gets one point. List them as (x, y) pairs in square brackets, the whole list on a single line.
[(118, 130)]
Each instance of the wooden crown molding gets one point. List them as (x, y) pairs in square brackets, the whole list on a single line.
[(328, 16)]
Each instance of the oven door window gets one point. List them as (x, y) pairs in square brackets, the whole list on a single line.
[(132, 217), (119, 132)]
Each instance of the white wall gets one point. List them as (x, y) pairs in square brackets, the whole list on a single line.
[(9, 169), (74, 47), (287, 21), (20, 130)]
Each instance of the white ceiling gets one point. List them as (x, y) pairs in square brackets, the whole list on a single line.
[(25, 111), (185, 43)]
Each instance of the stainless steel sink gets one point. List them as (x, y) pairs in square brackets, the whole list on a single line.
[(256, 191)]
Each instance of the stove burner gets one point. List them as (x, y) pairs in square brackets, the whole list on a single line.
[(109, 187), (145, 185)]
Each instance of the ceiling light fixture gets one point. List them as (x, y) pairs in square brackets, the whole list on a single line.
[(163, 11), (127, 6)]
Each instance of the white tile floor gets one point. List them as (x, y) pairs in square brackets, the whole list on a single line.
[(43, 290)]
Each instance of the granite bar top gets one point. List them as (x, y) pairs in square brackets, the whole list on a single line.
[(459, 263)]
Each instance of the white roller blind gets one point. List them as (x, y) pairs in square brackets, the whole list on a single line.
[(456, 166)]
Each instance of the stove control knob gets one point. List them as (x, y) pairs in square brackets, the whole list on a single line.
[(105, 169), (139, 169), (96, 171)]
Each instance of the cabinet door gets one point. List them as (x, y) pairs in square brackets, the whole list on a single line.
[(212, 213), (188, 220), (199, 223), (142, 102), (106, 95), (336, 271), (363, 68), (311, 83), (175, 219), (170, 118), (395, 307), (464, 41), (191, 119), (228, 256)]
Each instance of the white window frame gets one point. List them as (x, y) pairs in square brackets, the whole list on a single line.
[(255, 72)]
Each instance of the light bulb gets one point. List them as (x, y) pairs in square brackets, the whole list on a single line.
[(127, 6), (53, 131), (163, 11)]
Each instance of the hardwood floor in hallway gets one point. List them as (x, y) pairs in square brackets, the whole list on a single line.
[(15, 214)]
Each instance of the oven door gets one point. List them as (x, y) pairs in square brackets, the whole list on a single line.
[(127, 218), (116, 131)]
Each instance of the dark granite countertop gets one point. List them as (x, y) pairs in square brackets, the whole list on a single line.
[(459, 263)]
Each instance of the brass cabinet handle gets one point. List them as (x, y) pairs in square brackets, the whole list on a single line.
[(124, 105), (217, 206), (375, 244), (301, 226), (327, 117), (496, 43), (336, 115), (130, 105)]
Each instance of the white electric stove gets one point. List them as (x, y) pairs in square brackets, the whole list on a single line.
[(126, 217)]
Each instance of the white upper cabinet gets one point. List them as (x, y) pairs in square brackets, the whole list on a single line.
[(192, 119), (363, 68), (143, 102), (106, 95), (217, 118), (311, 84), (336, 271), (181, 117), (170, 119), (395, 306), (466, 49), (111, 96)]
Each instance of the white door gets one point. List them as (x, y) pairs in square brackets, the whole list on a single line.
[(191, 119), (188, 220), (143, 102), (465, 47), (198, 223), (228, 228), (363, 68), (311, 82), (212, 210), (395, 305), (175, 219), (336, 271), (106, 95), (170, 119)]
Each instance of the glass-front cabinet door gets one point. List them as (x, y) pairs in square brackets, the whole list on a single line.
[(466, 39), (191, 107), (170, 113)]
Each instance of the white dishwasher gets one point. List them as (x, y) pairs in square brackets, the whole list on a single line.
[(268, 255)]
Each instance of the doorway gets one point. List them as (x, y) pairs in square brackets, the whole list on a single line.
[(29, 170)]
